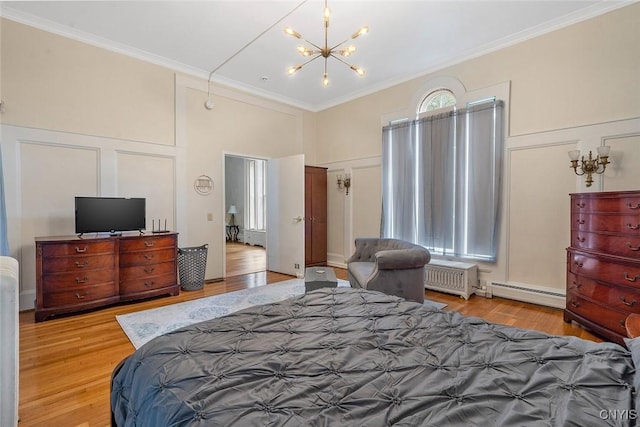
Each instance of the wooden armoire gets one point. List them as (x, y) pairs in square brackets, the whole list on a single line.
[(315, 217)]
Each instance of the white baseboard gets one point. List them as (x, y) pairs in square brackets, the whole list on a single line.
[(540, 295), (336, 260), (27, 300)]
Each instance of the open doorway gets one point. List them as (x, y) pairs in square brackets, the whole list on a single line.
[(245, 219)]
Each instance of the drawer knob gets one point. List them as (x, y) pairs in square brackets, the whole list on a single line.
[(633, 227), (577, 285), (83, 250), (575, 304), (149, 270), (580, 204), (632, 206), (581, 239), (628, 303), (82, 264), (149, 244), (580, 221), (149, 284), (633, 248), (85, 279), (83, 296), (629, 278), (578, 264), (149, 257)]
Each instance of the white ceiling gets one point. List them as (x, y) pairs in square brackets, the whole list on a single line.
[(406, 39)]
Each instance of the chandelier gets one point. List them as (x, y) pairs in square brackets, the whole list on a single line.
[(326, 51)]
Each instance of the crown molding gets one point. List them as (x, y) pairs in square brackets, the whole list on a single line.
[(597, 9)]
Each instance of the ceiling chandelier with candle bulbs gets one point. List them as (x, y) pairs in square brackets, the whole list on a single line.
[(326, 51)]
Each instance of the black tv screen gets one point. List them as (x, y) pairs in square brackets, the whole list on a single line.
[(109, 214)]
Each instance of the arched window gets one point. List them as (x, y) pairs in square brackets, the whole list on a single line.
[(436, 100)]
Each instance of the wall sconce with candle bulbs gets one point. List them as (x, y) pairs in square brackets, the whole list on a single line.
[(590, 166), (344, 182)]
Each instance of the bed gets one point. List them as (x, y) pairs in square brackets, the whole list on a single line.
[(342, 356)]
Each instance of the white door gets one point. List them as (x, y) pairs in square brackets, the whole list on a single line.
[(285, 215)]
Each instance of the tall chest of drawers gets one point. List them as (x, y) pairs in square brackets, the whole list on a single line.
[(75, 274), (603, 261)]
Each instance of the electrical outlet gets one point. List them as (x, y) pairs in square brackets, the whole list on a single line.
[(209, 216), (296, 266)]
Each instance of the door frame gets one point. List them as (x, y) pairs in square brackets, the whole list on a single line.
[(223, 207)]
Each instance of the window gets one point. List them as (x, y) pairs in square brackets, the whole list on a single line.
[(256, 194), (437, 100), (441, 180)]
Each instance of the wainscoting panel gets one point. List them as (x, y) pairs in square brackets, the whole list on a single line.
[(366, 200), (336, 217), (624, 171), (50, 178), (539, 214), (356, 214), (152, 177)]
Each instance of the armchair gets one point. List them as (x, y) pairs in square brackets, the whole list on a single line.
[(392, 266)]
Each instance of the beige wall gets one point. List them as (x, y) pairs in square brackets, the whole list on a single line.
[(573, 88), (81, 120), (583, 74), (235, 126), (52, 82)]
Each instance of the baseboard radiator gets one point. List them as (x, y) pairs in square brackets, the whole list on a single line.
[(459, 278), (255, 237), (9, 356), (533, 294)]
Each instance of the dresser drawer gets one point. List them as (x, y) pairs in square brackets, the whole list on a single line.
[(59, 281), (79, 248), (605, 316), (73, 263), (617, 297), (80, 295), (612, 223), (628, 205), (607, 270), (625, 246), (128, 273), (143, 243), (147, 283), (147, 257)]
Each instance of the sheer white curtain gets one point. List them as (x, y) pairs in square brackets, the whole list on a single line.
[(441, 181), (256, 179)]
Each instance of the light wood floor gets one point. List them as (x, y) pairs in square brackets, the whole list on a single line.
[(245, 259), (66, 363)]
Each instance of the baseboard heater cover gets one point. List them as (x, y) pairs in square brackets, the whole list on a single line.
[(528, 294), (458, 278)]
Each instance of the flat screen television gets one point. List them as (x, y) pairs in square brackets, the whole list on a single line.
[(110, 214)]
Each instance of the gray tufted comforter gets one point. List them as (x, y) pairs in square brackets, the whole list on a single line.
[(351, 357)]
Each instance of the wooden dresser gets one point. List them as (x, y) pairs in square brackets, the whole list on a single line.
[(603, 261), (74, 274)]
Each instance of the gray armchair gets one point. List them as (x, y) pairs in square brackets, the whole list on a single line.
[(392, 266)]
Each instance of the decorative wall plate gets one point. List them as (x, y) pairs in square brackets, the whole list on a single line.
[(203, 185)]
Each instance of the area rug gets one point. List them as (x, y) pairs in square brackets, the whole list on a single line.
[(143, 326)]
